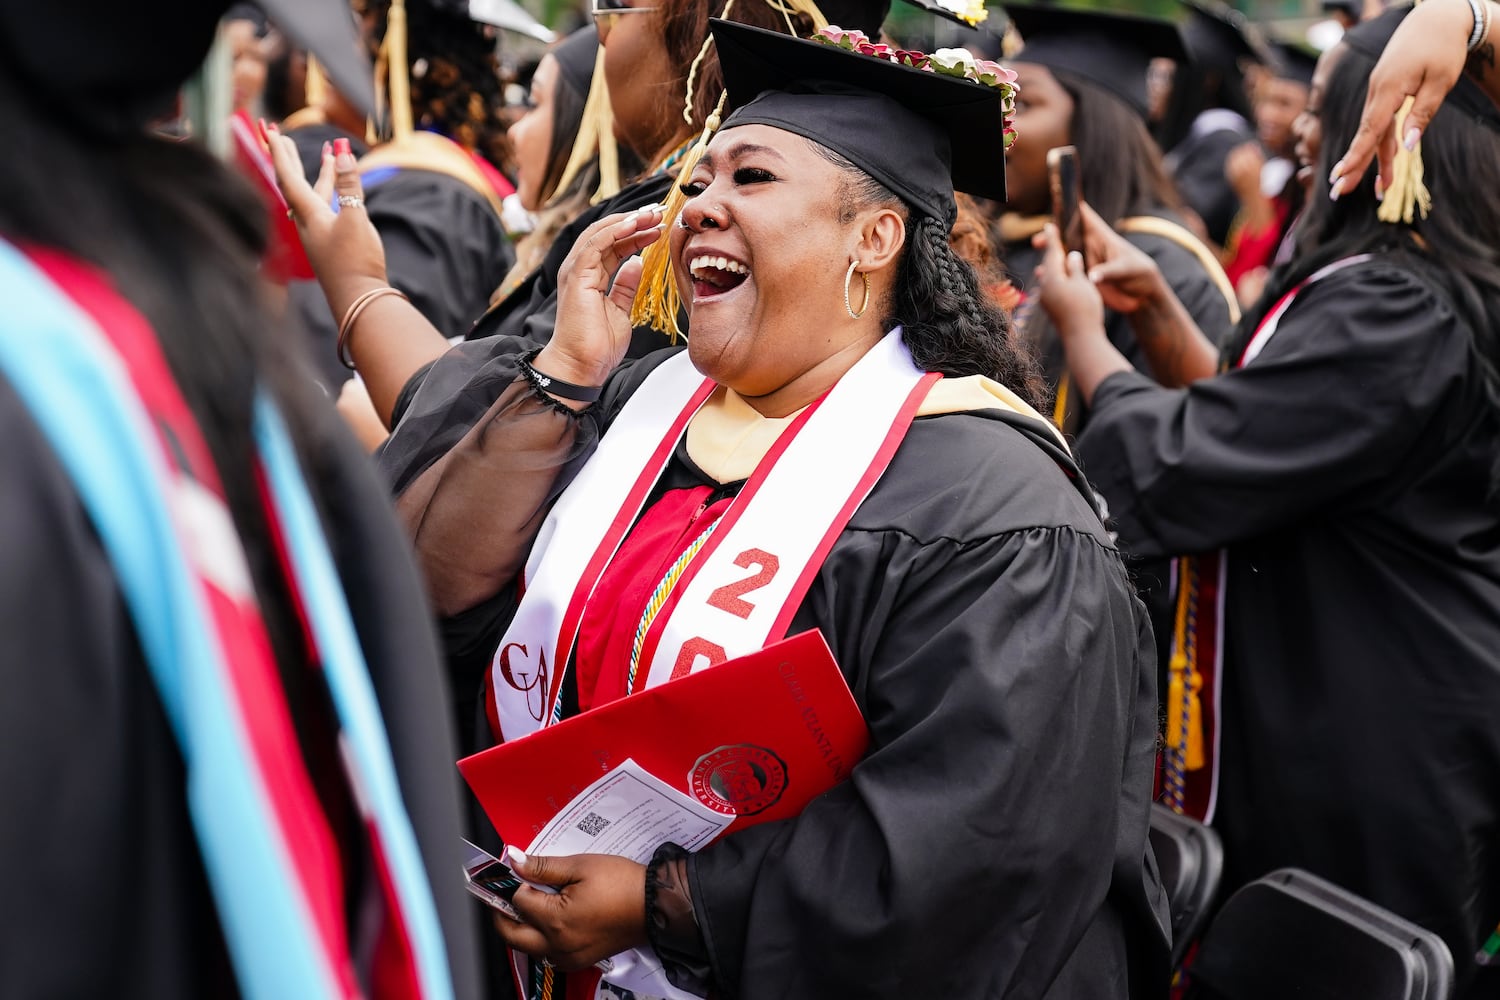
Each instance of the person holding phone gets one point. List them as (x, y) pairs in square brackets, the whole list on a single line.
[(1335, 497), (1083, 78)]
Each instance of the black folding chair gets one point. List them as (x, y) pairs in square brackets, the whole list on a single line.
[(1191, 860), (1292, 934)]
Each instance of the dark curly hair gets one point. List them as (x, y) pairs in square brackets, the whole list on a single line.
[(947, 321), (455, 80)]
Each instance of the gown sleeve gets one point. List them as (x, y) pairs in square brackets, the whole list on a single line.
[(998, 687), (1339, 396)]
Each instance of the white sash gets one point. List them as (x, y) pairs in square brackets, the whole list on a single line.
[(598, 508), (744, 586)]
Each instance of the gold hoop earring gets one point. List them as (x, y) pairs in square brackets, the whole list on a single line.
[(848, 307)]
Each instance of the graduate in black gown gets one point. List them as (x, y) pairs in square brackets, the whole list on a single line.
[(434, 189), (993, 841), (1209, 112), (169, 665), (1083, 83), (1345, 476)]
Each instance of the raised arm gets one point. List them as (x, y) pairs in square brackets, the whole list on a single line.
[(1125, 279), (1423, 60), (473, 513), (392, 339)]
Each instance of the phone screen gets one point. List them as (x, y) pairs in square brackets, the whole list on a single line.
[(488, 878), (1062, 174)]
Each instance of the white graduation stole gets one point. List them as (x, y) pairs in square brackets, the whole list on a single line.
[(744, 586)]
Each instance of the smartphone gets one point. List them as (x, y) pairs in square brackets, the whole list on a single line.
[(490, 879), (1067, 195)]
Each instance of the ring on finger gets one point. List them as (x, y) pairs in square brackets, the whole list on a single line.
[(351, 201)]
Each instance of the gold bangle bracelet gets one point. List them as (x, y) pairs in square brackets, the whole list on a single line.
[(351, 315)]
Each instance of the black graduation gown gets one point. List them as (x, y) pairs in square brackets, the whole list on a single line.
[(993, 841), (1347, 473), (104, 892), (444, 247)]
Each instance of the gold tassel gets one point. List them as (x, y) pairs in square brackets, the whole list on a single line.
[(393, 51), (657, 299), (315, 84), (1406, 196), (789, 9), (1184, 681), (596, 138)]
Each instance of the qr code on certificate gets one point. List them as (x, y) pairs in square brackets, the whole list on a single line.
[(593, 824)]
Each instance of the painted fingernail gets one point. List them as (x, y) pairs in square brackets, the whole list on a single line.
[(1379, 188), (1335, 189), (341, 147), (515, 857), (271, 127), (1336, 172), (327, 149), (1413, 136)]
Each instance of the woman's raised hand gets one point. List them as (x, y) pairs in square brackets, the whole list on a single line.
[(343, 247), (596, 287), (1423, 60)]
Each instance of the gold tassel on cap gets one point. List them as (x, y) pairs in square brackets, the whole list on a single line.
[(1406, 195), (596, 137), (392, 79), (315, 84), (657, 298)]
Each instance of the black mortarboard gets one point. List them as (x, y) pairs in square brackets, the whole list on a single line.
[(1108, 49), (575, 57), (1293, 61), (921, 134), (1218, 36), (112, 66)]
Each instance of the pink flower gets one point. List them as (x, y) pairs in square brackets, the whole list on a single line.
[(989, 68), (845, 39)]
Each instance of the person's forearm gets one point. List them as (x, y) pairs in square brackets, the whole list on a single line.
[(473, 514), (388, 343), (1480, 66), (1175, 348)]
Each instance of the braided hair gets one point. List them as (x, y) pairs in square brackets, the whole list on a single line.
[(946, 320), (455, 80)]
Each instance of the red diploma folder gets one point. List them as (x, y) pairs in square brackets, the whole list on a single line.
[(756, 738)]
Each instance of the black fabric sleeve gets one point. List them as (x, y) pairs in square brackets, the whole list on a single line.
[(971, 851), (1341, 394)]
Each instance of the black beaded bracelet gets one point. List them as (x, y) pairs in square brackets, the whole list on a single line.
[(556, 386)]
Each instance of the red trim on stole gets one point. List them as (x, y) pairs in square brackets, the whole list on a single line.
[(260, 699)]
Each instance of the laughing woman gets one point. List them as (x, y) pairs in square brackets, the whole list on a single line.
[(992, 843)]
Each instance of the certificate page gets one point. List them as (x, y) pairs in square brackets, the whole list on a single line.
[(629, 813)]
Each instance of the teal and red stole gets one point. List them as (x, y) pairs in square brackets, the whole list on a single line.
[(91, 373)]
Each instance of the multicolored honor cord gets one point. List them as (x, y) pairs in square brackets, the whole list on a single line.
[(1489, 952)]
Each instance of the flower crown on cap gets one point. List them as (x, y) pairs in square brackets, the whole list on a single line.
[(959, 63)]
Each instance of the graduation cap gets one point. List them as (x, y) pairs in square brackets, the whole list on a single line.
[(112, 66), (923, 133), (1108, 49), (1293, 61), (1218, 36), (951, 130)]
